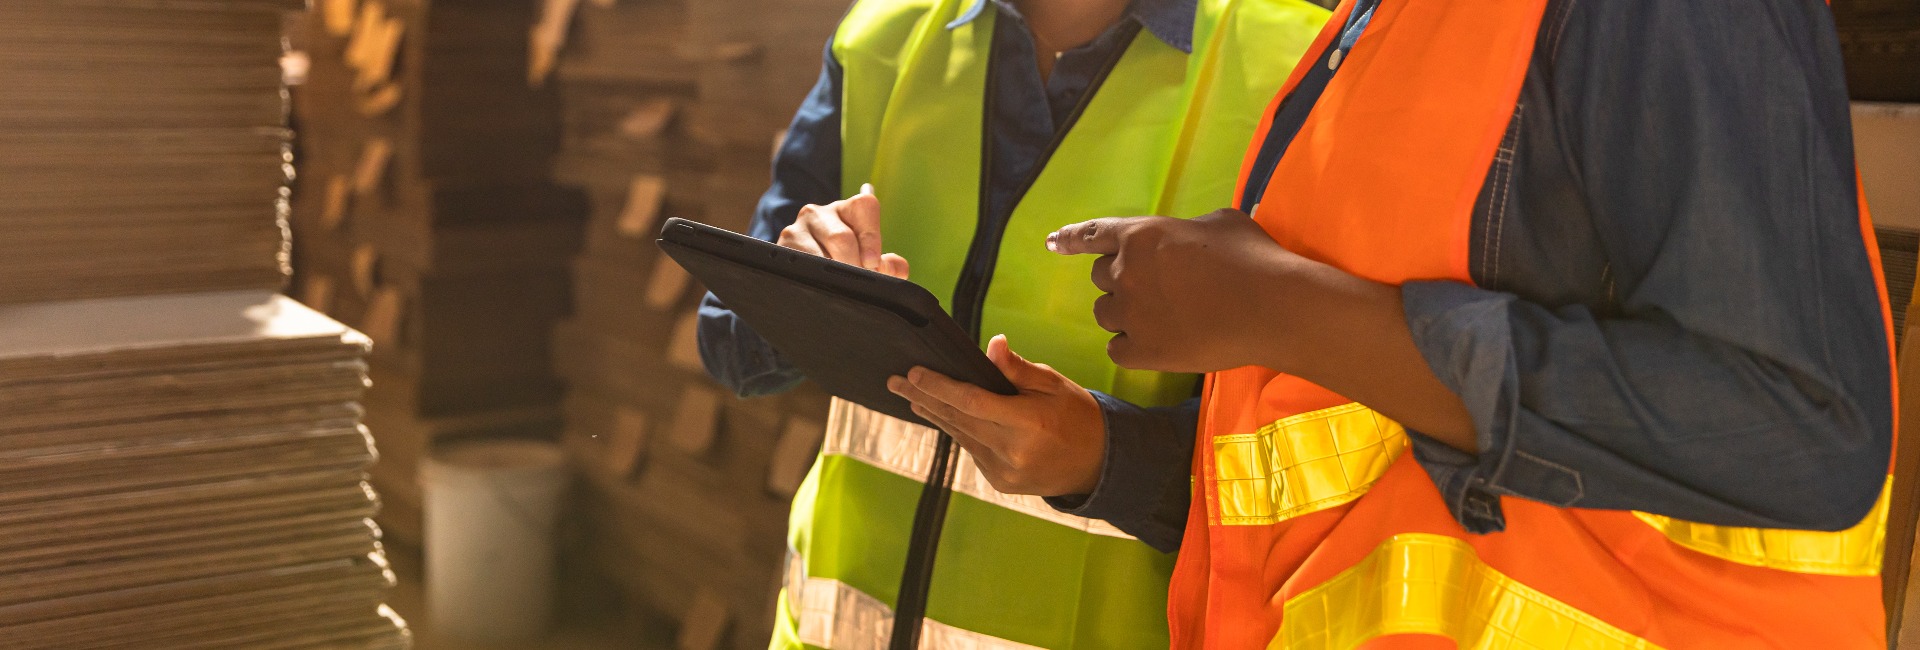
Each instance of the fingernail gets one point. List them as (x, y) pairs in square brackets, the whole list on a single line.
[(915, 375), (895, 384), (1053, 242), (866, 188)]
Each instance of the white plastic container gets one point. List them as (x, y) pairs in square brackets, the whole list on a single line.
[(491, 508)]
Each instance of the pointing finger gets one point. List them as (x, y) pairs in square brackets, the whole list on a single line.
[(1098, 237)]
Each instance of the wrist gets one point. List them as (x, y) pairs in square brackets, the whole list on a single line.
[(1285, 297), (1093, 430), (1313, 314)]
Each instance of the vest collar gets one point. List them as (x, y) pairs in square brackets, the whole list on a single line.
[(1171, 21)]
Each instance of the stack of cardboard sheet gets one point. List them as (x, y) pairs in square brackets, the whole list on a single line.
[(426, 217), (141, 147), (671, 109), (1880, 40), (186, 471)]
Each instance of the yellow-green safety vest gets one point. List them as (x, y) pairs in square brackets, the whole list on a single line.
[(1164, 134)]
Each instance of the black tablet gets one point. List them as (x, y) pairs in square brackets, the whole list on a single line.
[(847, 328)]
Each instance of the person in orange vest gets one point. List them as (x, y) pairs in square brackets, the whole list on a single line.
[(1602, 268)]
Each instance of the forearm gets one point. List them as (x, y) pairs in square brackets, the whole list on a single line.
[(1350, 335)]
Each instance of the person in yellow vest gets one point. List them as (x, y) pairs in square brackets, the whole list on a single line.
[(1601, 266), (977, 123)]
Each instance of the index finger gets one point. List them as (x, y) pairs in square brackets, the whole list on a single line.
[(965, 398), (1096, 237), (861, 213)]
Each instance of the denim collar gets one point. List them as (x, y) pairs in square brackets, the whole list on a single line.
[(1171, 21)]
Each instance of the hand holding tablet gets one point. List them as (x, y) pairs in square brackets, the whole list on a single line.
[(847, 328)]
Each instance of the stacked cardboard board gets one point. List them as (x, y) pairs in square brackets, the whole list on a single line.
[(1880, 40), (181, 458), (671, 109), (141, 144), (425, 216), (186, 471)]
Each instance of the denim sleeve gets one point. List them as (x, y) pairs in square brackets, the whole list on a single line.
[(1145, 483), (1740, 373), (806, 171)]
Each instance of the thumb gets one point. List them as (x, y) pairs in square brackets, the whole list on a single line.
[(1018, 369)]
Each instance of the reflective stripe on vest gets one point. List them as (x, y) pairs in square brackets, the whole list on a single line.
[(1007, 570), (1434, 584), (1856, 551), (1302, 464), (1012, 570), (1313, 528), (906, 449), (827, 613), (1320, 459)]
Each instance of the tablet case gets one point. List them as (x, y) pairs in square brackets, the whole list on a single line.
[(846, 328)]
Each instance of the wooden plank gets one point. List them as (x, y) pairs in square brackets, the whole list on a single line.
[(696, 420), (644, 197), (793, 455), (705, 623)]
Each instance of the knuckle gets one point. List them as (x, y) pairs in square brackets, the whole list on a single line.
[(1002, 483), (1149, 237), (1092, 229), (1017, 458)]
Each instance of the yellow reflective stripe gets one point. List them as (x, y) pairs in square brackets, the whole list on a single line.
[(1307, 462), (906, 449), (1420, 583), (1855, 551), (834, 615)]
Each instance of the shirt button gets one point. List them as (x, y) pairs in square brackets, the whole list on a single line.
[(1333, 60)]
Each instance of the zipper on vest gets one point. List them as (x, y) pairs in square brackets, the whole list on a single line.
[(969, 299)]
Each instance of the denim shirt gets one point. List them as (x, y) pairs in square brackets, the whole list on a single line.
[(1672, 311), (1675, 310)]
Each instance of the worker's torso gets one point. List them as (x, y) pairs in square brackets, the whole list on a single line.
[(1010, 571), (1313, 528)]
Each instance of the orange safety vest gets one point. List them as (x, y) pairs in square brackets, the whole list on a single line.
[(1312, 528)]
